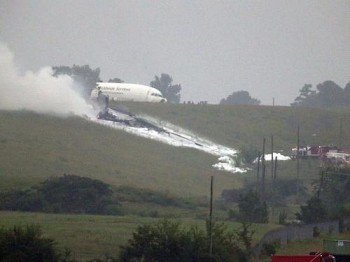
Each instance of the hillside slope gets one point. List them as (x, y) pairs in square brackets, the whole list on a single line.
[(34, 147), (240, 125)]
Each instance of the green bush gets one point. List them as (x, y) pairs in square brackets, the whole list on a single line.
[(168, 241), (26, 244), (314, 211), (66, 194), (252, 209)]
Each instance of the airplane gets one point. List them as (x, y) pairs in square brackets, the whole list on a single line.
[(128, 92)]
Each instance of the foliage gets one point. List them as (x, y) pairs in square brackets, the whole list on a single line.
[(75, 194), (26, 244), (66, 194), (314, 211), (83, 75), (240, 98), (169, 91), (252, 209), (270, 248), (168, 241), (282, 217), (328, 94), (333, 191)]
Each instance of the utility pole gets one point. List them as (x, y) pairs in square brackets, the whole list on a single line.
[(273, 188), (258, 173), (211, 219), (263, 171), (272, 156), (340, 133), (298, 160)]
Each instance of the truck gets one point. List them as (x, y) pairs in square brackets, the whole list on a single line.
[(312, 257)]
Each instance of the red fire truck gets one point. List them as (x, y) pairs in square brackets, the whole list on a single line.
[(312, 257)]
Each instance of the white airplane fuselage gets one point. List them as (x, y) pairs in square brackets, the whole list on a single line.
[(128, 92)]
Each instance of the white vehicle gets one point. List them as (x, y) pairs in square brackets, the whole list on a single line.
[(128, 92)]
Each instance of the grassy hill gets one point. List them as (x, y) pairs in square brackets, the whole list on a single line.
[(34, 147), (239, 126)]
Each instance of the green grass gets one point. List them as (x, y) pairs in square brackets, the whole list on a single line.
[(86, 235), (34, 147), (91, 236), (238, 126)]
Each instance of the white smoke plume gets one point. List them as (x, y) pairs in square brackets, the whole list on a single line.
[(37, 91)]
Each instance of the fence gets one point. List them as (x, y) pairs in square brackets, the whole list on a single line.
[(298, 232)]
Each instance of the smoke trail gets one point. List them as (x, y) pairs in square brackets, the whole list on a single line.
[(37, 91)]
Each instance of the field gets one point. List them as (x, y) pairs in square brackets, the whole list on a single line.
[(34, 147), (96, 236)]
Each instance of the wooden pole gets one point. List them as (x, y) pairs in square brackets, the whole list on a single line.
[(273, 189), (211, 219), (258, 173), (272, 157), (263, 171), (340, 134), (298, 160), (275, 170)]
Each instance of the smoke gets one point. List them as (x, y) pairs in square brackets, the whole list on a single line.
[(37, 91)]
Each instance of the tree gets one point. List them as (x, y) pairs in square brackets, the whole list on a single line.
[(347, 93), (314, 211), (26, 244), (160, 242), (240, 98), (328, 94), (169, 91), (251, 208), (333, 192), (306, 96), (83, 75), (168, 241)]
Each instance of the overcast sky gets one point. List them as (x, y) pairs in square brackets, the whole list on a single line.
[(212, 48)]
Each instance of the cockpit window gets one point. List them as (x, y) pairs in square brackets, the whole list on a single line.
[(155, 94)]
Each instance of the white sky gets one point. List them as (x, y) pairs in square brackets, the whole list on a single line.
[(270, 48)]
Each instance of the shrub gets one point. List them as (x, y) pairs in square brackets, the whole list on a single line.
[(26, 244), (313, 211), (66, 194), (168, 241), (252, 209)]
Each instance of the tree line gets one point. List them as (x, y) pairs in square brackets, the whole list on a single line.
[(327, 94)]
